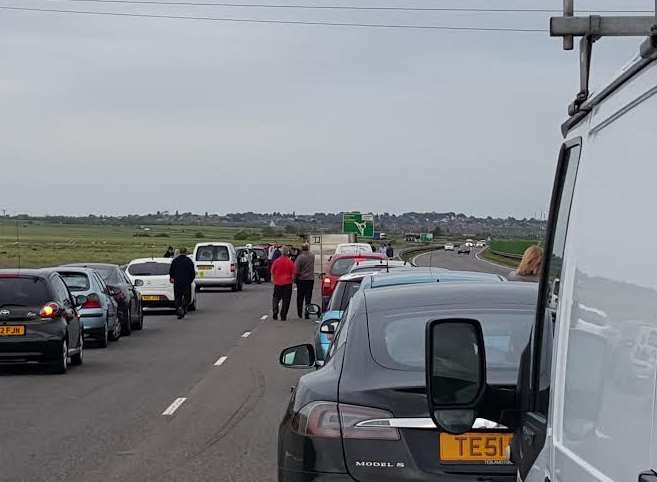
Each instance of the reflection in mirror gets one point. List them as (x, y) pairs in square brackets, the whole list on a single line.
[(457, 362), (313, 310), (329, 327), (300, 356), (455, 421), (80, 300)]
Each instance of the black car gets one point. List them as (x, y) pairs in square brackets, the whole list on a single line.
[(131, 313), (262, 263), (364, 415), (39, 320)]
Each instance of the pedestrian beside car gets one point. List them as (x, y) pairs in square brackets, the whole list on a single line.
[(169, 252), (182, 273), (283, 274), (530, 266), (390, 252), (276, 253), (305, 275)]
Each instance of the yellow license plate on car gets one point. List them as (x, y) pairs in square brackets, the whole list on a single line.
[(150, 298), (12, 330), (487, 448), (203, 267)]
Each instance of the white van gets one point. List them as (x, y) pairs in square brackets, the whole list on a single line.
[(586, 408), (216, 265)]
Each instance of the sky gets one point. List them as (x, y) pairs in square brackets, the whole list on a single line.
[(118, 115)]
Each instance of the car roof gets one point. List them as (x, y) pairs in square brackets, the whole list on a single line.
[(512, 295), (213, 243), (92, 265), (425, 276), (363, 255), (357, 276), (73, 269), (20, 272), (151, 260), (381, 262)]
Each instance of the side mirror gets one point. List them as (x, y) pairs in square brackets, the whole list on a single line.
[(80, 300), (455, 371), (138, 282), (313, 310), (329, 327), (300, 356)]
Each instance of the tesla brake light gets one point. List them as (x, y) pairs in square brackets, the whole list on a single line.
[(318, 419), (366, 423)]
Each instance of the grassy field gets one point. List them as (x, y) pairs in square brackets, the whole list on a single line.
[(54, 244), (513, 247)]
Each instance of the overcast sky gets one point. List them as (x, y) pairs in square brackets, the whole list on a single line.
[(117, 115)]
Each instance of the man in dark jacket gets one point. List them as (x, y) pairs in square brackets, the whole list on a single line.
[(305, 270), (182, 273)]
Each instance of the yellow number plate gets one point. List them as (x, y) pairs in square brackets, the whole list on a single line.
[(150, 298), (475, 447), (12, 330), (204, 268)]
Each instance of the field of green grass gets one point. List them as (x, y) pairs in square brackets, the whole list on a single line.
[(514, 248), (54, 244)]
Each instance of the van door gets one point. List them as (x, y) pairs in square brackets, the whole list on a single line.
[(530, 439), (213, 261)]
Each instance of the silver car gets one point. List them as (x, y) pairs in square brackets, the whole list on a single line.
[(99, 315)]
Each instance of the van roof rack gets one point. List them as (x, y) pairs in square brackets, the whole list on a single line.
[(591, 29)]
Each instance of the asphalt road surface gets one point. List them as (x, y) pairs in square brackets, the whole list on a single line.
[(104, 421), (460, 262)]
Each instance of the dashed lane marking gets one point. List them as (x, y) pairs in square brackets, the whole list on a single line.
[(171, 409), (264, 317), (220, 361), (246, 334)]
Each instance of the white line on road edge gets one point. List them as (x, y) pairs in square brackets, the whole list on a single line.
[(174, 406), (220, 361), (483, 260), (246, 334), (264, 317)]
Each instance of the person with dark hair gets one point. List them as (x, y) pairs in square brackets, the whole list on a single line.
[(182, 273), (169, 252), (305, 270), (283, 273)]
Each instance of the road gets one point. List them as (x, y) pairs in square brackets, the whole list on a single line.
[(459, 262), (104, 421)]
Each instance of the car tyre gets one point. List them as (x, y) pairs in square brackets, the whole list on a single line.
[(126, 329), (140, 323), (60, 366), (104, 341), (116, 332), (78, 358)]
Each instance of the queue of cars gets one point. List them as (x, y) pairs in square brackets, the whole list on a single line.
[(46, 315)]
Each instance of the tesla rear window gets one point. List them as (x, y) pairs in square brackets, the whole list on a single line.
[(149, 269), (76, 281), (212, 253), (398, 341), (23, 292)]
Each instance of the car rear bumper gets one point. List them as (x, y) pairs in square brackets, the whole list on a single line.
[(93, 319), (29, 350), (289, 476), (205, 282)]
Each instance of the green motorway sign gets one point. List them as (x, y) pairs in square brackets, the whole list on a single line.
[(359, 224)]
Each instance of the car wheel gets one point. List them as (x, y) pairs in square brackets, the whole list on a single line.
[(103, 342), (116, 331), (140, 322), (126, 329), (60, 365), (78, 357)]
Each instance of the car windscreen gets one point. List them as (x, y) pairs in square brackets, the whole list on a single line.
[(149, 268), (23, 291), (397, 340), (212, 253), (76, 281), (342, 294)]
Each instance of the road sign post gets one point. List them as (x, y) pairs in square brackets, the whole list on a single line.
[(359, 224)]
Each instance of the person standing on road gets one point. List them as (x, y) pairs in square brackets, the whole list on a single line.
[(530, 267), (283, 273), (390, 253), (182, 273), (305, 270)]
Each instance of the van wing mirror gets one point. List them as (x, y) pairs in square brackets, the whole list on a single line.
[(455, 372)]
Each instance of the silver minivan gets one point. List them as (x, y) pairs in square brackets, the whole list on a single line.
[(216, 266)]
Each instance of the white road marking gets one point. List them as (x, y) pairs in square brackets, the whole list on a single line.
[(264, 317), (246, 334), (220, 361), (171, 409)]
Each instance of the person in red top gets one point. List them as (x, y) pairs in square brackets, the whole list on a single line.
[(283, 273)]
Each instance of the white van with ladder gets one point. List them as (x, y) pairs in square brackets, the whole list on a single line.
[(216, 266), (585, 408)]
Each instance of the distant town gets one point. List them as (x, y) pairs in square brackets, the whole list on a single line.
[(439, 224)]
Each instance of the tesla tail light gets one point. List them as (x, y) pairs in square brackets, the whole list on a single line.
[(366, 423), (49, 311), (93, 301), (330, 420)]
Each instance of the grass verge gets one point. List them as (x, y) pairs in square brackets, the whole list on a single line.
[(503, 260)]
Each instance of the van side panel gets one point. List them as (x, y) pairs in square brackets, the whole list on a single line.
[(603, 421)]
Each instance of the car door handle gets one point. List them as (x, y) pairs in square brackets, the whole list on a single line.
[(649, 476)]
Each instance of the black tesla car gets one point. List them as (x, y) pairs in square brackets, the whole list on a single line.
[(364, 415), (39, 320), (127, 297)]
